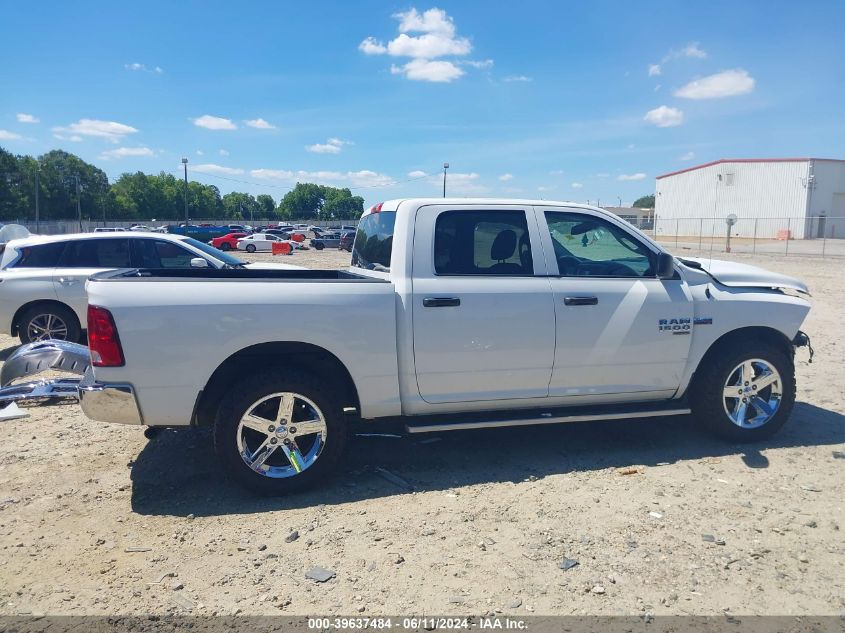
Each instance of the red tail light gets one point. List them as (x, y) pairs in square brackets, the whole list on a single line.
[(103, 340)]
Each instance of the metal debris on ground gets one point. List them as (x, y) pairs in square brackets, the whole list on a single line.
[(319, 574), (568, 563), (58, 388), (12, 412), (394, 479), (33, 358)]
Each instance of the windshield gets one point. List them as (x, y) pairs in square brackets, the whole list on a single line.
[(213, 252), (374, 241)]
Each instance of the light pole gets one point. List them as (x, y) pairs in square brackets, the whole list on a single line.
[(620, 201), (445, 167), (37, 190), (185, 165), (78, 203)]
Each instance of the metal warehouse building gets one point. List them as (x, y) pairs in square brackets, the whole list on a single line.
[(799, 198)]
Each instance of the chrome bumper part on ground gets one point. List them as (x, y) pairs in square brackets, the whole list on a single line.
[(109, 402)]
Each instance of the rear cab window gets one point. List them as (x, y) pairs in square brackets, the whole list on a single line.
[(373, 244), (482, 242), (99, 253)]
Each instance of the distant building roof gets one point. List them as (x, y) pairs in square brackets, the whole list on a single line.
[(748, 160), (627, 210)]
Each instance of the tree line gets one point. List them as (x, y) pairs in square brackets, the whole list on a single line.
[(146, 196)]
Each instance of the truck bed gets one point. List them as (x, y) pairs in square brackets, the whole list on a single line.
[(234, 274)]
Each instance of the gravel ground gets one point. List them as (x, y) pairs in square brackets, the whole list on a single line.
[(95, 519)]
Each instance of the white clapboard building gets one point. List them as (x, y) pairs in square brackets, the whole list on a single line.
[(799, 198)]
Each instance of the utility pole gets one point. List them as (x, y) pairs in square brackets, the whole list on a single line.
[(620, 201), (445, 167), (37, 191), (78, 203), (185, 165)]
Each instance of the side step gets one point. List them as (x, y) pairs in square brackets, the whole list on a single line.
[(463, 421)]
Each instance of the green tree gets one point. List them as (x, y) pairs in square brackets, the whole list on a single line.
[(309, 200), (267, 205), (646, 202)]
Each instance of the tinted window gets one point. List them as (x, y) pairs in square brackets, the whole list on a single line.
[(589, 246), (213, 252), (102, 253), (42, 256), (482, 243), (374, 241), (161, 254)]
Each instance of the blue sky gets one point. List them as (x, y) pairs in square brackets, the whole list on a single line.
[(571, 101)]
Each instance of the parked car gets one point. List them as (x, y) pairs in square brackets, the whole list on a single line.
[(42, 278), (346, 240), (259, 242), (326, 240), (227, 242), (109, 229), (468, 314)]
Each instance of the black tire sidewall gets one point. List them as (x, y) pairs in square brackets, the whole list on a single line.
[(251, 389), (225, 246), (707, 397), (250, 248), (74, 329)]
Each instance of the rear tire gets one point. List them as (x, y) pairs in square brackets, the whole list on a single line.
[(49, 320), (253, 406), (745, 393), (225, 246)]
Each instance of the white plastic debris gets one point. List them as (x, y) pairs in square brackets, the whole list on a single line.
[(12, 412)]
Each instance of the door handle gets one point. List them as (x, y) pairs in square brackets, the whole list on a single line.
[(441, 302), (67, 281), (580, 301)]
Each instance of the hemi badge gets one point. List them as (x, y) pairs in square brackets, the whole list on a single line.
[(703, 321)]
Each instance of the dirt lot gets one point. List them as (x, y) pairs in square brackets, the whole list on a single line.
[(95, 519)]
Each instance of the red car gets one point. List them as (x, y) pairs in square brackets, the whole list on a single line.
[(227, 242)]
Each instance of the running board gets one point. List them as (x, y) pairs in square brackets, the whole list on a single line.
[(438, 424)]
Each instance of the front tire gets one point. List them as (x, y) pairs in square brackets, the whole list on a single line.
[(745, 393), (279, 432), (250, 248), (48, 321)]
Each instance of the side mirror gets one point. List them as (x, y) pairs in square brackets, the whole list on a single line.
[(665, 266), (199, 262)]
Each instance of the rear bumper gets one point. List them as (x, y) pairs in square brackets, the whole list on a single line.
[(109, 402)]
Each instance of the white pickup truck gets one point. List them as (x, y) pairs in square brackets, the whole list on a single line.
[(455, 314)]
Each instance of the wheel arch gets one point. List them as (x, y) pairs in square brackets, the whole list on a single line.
[(755, 333), (16, 320), (305, 356)]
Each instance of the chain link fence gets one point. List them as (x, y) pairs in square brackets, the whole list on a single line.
[(822, 236)]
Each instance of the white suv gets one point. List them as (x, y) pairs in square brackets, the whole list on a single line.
[(42, 278)]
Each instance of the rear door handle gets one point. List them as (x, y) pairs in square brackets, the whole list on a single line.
[(67, 281), (441, 302), (580, 301)]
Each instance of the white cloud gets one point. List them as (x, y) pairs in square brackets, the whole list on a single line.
[(577, 185), (521, 78), (556, 172), (483, 63), (436, 38), (727, 83), (331, 146), (546, 188), (361, 178), (200, 152), (260, 124), (27, 118), (688, 156), (664, 116), (654, 70), (602, 175), (211, 168), (109, 130), (210, 122), (426, 70), (460, 183), (137, 66), (73, 137), (124, 152), (417, 174), (506, 177), (6, 135), (223, 152), (692, 50), (637, 176)]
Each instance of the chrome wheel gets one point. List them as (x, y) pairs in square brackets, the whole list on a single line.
[(281, 435), (752, 393), (46, 326)]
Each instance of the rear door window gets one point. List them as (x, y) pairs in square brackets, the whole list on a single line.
[(40, 256), (101, 253), (482, 243)]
